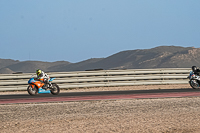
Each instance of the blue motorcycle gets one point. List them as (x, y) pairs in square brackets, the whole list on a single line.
[(194, 80), (36, 86)]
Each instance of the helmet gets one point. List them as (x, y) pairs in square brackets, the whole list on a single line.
[(194, 68), (38, 72)]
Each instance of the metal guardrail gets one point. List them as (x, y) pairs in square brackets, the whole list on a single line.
[(80, 79)]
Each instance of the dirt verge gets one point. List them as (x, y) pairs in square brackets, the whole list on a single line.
[(166, 115)]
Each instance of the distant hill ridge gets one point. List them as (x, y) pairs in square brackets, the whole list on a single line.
[(158, 57)]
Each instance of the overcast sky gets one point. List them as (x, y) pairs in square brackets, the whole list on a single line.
[(76, 30)]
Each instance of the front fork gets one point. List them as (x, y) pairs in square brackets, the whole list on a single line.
[(32, 86)]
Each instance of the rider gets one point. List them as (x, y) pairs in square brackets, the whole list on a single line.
[(42, 76), (195, 70)]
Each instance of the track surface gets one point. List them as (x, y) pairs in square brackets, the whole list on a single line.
[(100, 95)]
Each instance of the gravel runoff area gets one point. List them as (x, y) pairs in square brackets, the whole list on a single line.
[(163, 115)]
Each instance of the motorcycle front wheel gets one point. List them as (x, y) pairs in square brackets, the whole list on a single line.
[(32, 91), (55, 90), (194, 84)]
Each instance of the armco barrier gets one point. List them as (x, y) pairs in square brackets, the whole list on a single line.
[(79, 79)]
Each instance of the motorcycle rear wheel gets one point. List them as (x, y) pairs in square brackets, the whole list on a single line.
[(32, 91), (194, 84), (55, 90)]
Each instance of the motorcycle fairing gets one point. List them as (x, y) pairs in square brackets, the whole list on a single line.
[(192, 76), (31, 81), (51, 79), (40, 90)]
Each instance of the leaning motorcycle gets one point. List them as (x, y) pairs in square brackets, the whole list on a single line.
[(194, 80), (36, 87)]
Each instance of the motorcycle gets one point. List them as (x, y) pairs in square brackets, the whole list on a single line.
[(36, 87), (194, 80)]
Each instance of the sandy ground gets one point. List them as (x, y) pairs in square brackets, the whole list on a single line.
[(165, 115)]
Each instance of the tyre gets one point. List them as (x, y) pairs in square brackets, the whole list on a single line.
[(55, 90), (194, 84), (32, 91)]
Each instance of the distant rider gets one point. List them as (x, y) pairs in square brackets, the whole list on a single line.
[(196, 70), (43, 77)]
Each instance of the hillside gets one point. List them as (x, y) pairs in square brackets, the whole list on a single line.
[(158, 57)]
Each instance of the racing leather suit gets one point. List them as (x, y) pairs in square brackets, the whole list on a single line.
[(43, 77)]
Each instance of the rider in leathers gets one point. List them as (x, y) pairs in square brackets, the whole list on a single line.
[(43, 77), (196, 70)]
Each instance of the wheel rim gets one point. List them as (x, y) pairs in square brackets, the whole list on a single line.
[(195, 83), (54, 89), (32, 90)]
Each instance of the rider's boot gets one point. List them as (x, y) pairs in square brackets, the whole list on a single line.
[(45, 86), (49, 85)]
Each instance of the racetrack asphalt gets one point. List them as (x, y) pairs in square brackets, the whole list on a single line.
[(98, 95)]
